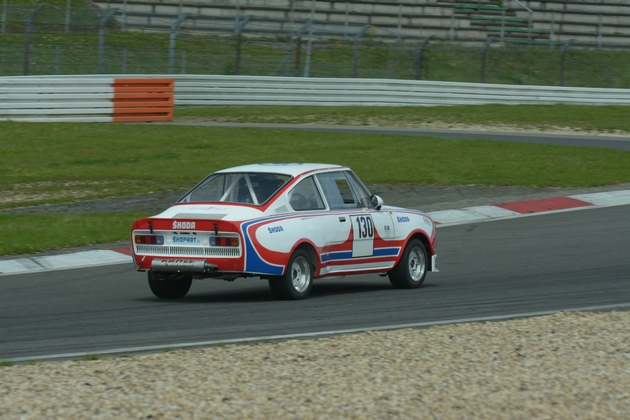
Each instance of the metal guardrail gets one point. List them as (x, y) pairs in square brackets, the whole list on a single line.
[(87, 98)]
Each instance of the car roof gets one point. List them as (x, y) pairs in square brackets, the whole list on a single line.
[(292, 169)]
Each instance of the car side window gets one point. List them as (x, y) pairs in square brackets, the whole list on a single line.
[(338, 191), (305, 196), (362, 193)]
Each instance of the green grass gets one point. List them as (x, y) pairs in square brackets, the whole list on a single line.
[(27, 234), (70, 162)]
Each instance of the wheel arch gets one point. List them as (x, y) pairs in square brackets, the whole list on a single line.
[(312, 254), (427, 245)]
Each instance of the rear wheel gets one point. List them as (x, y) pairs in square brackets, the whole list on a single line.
[(297, 281), (169, 285), (411, 270)]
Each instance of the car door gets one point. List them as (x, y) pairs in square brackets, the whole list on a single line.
[(359, 241)]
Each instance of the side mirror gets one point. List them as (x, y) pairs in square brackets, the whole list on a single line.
[(376, 201)]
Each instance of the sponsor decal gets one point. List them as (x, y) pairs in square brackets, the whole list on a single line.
[(183, 225), (275, 229), (184, 240), (402, 219)]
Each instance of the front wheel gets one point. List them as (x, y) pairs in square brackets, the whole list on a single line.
[(411, 270), (169, 285), (297, 281)]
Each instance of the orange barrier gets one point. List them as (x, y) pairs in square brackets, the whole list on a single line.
[(143, 100)]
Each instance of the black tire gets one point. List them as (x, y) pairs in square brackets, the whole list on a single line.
[(297, 281), (411, 270), (169, 285)]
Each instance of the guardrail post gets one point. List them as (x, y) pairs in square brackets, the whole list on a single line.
[(237, 12), (357, 45), (4, 16), (67, 19), (599, 32), (240, 26), (297, 57), (484, 52), (298, 46), (345, 22), (451, 30), (529, 27), (101, 39), (420, 59), (309, 44), (173, 40), (125, 60), (57, 58), (309, 50), (28, 38), (563, 59)]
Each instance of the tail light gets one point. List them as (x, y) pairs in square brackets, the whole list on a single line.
[(223, 241), (149, 239)]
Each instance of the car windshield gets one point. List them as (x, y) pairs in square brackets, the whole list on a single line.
[(246, 188)]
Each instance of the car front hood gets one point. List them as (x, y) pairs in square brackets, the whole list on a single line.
[(210, 211)]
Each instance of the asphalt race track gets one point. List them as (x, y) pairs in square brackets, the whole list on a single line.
[(559, 261)]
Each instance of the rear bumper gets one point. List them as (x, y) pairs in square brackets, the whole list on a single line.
[(185, 264)]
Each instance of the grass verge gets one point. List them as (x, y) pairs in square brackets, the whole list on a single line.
[(603, 119), (27, 234)]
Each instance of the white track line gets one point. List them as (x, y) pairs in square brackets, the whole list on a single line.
[(82, 259)]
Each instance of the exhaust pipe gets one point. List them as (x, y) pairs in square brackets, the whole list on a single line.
[(182, 266)]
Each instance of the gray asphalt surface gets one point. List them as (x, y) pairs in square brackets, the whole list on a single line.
[(545, 262)]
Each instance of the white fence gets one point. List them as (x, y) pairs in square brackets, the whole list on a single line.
[(89, 98)]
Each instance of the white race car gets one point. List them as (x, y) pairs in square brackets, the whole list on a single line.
[(286, 223)]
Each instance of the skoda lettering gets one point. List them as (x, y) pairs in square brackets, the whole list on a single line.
[(183, 225)]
